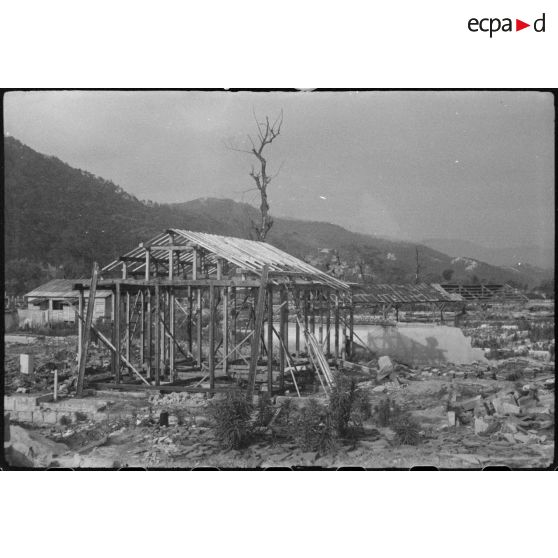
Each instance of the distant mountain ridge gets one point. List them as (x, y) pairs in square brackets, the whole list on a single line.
[(512, 256), (59, 219)]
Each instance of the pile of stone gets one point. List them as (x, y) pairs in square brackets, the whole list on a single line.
[(523, 414)]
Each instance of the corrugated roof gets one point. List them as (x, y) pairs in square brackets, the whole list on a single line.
[(400, 294), (61, 288), (248, 255)]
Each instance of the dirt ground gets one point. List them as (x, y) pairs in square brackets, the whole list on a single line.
[(470, 416)]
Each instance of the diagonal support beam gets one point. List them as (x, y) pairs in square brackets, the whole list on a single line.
[(87, 332)]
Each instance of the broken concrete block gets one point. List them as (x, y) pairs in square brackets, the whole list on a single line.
[(470, 404), (480, 425), (26, 364), (503, 407), (385, 366), (509, 437), (451, 418)]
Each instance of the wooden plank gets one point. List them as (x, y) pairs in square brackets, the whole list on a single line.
[(270, 340), (165, 387), (336, 318), (172, 325), (283, 328), (226, 296), (80, 325), (87, 332), (260, 307), (128, 332), (211, 348), (142, 328), (157, 337), (147, 264), (148, 331), (117, 339)]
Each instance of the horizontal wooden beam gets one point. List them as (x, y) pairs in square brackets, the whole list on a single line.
[(164, 387)]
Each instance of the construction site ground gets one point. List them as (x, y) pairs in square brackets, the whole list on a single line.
[(495, 413)]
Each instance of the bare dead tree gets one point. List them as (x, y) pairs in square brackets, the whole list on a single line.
[(417, 272), (267, 132)]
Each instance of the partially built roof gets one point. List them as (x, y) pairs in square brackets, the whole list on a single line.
[(240, 255), (404, 294), (491, 292)]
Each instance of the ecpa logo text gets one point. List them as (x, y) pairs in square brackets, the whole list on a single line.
[(494, 24)]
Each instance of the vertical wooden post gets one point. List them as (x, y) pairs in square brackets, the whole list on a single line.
[(157, 336), (337, 325), (162, 319), (258, 323), (189, 320), (147, 263), (124, 270), (199, 326), (117, 341), (142, 330), (328, 325), (211, 349), (296, 295), (128, 331), (351, 327), (226, 293), (305, 304), (313, 312), (321, 316), (270, 340), (283, 346), (80, 325), (148, 332), (234, 322), (171, 318), (219, 268), (195, 266)]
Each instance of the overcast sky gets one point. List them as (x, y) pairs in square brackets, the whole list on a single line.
[(412, 165)]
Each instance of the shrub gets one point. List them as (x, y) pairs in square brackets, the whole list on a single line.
[(265, 410), (349, 406), (407, 430), (231, 416), (314, 428), (387, 412), (80, 417)]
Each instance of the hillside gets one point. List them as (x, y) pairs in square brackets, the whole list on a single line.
[(58, 220)]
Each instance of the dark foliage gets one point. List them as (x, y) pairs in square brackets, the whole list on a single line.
[(314, 428), (348, 406), (231, 417)]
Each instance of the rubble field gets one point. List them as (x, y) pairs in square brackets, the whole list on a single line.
[(497, 413)]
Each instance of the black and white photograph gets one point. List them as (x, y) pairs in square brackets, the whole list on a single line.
[(261, 279)]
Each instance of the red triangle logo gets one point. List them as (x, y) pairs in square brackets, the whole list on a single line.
[(519, 25)]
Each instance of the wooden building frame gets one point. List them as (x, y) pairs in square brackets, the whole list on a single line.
[(187, 305)]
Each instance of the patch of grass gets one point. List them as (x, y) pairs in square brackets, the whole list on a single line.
[(265, 410), (80, 417), (387, 412), (231, 417), (407, 430), (349, 406), (314, 428)]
